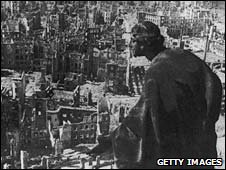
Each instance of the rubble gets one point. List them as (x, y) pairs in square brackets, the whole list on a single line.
[(73, 53)]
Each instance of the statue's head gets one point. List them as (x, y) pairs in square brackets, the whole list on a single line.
[(146, 40)]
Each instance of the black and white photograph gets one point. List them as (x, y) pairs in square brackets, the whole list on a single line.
[(112, 84)]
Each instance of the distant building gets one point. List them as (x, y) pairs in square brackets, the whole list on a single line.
[(156, 19), (180, 26), (116, 78), (39, 55), (50, 5), (185, 4), (23, 56), (107, 17), (39, 135), (12, 7), (217, 48), (198, 44), (135, 74), (76, 61), (93, 34), (83, 124), (7, 55), (17, 50), (54, 21), (62, 22)]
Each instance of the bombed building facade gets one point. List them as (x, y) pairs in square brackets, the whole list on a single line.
[(69, 77)]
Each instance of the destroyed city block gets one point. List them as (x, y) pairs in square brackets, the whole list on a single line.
[(69, 78)]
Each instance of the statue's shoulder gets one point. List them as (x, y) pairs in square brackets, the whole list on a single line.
[(169, 53), (173, 59), (175, 56), (162, 58)]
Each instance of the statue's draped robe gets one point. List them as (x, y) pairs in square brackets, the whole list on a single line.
[(175, 115)]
